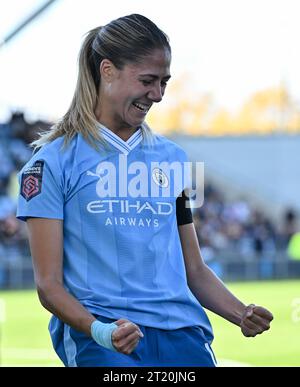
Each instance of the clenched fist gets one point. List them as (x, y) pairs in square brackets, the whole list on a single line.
[(126, 337), (255, 320)]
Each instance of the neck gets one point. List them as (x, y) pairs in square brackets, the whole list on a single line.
[(121, 130), (124, 133)]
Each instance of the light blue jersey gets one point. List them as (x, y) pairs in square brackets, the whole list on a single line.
[(122, 252)]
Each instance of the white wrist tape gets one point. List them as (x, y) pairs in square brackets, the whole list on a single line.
[(102, 332)]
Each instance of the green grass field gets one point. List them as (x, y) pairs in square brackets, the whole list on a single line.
[(25, 340)]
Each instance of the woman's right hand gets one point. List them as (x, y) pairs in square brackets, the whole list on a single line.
[(126, 337)]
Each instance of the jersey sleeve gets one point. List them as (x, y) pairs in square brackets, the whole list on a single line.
[(41, 192)]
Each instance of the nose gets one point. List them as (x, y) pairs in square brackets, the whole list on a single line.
[(156, 93)]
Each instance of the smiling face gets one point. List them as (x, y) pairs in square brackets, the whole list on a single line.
[(127, 95)]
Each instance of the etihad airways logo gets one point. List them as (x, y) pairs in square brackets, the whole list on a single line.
[(126, 207), (126, 213), (142, 195)]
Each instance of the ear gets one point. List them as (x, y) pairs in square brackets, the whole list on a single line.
[(107, 70)]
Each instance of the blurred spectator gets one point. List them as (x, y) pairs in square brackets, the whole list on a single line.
[(294, 247), (293, 252), (289, 227), (15, 136), (34, 129)]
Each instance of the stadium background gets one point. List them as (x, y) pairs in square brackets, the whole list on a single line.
[(248, 227)]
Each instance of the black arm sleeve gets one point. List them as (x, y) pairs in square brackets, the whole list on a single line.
[(183, 213)]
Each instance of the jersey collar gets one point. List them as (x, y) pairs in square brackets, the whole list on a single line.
[(123, 146)]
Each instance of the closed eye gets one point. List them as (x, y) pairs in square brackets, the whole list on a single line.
[(146, 83)]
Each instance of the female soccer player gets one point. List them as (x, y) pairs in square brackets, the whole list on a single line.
[(115, 253)]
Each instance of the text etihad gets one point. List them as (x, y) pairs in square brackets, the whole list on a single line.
[(126, 207)]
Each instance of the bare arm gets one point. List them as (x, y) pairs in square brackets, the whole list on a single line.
[(46, 244), (213, 294)]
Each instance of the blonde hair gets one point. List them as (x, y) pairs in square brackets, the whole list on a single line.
[(125, 40)]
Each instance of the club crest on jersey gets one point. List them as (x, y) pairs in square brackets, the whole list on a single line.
[(31, 182), (160, 178)]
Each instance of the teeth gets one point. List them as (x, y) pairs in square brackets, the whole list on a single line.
[(140, 106)]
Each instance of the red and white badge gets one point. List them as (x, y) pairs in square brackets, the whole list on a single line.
[(31, 183)]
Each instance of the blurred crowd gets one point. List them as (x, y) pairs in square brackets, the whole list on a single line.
[(15, 137), (235, 230), (224, 228)]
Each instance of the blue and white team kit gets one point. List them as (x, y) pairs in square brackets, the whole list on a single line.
[(122, 252)]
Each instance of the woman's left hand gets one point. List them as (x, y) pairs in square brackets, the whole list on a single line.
[(255, 320)]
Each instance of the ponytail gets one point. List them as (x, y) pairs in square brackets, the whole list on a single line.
[(80, 117)]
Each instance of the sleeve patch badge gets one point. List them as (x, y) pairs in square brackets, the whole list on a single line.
[(31, 183)]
